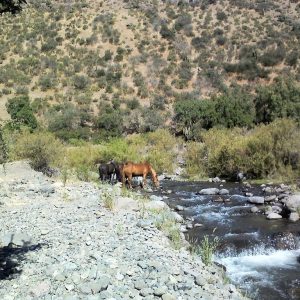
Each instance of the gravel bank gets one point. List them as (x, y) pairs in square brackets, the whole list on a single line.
[(68, 246)]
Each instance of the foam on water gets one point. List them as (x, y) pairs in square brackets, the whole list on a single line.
[(259, 265)]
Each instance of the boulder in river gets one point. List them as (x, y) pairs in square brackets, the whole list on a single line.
[(223, 192), (254, 209), (293, 202), (256, 200), (274, 216), (209, 191), (294, 217), (270, 198)]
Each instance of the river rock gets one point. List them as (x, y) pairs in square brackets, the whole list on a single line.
[(156, 205), (247, 194), (273, 216), (294, 217), (270, 198), (254, 209), (209, 191), (276, 209), (293, 202), (268, 190), (256, 200), (282, 196), (168, 297), (179, 208), (177, 217), (216, 180), (223, 192)]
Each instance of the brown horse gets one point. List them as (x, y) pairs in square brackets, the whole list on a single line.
[(130, 169)]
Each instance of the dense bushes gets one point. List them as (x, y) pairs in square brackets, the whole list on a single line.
[(230, 110), (237, 108), (281, 99), (268, 150)]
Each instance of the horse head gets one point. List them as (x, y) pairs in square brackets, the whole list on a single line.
[(154, 177)]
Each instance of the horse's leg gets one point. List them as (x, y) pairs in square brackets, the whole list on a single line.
[(144, 179), (123, 178), (129, 180)]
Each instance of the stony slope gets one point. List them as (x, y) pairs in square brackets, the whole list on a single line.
[(68, 246)]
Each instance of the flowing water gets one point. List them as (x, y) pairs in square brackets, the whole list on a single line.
[(261, 256)]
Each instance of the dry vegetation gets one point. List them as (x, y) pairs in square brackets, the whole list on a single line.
[(140, 55)]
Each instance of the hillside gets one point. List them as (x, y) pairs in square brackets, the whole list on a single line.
[(81, 57)]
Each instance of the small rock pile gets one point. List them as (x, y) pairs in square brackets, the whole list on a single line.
[(277, 202)]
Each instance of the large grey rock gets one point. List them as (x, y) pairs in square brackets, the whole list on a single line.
[(177, 217), (254, 209), (210, 191), (270, 198), (293, 203), (223, 192), (256, 200), (274, 216), (294, 217)]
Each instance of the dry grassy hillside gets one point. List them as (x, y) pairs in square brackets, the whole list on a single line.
[(141, 55)]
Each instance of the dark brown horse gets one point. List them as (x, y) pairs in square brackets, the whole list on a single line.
[(107, 171), (130, 169)]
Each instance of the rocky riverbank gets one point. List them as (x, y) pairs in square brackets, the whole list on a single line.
[(64, 244)]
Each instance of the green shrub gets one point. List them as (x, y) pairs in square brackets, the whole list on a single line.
[(47, 81), (221, 16), (3, 147), (273, 56), (166, 33), (21, 112), (41, 148), (133, 104), (292, 58), (182, 21), (207, 249), (80, 82)]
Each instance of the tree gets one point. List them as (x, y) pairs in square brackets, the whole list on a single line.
[(234, 109), (192, 115), (279, 100), (12, 6), (21, 112)]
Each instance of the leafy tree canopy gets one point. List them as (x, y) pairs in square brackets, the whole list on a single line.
[(12, 6)]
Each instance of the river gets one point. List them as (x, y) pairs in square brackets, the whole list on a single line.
[(261, 256)]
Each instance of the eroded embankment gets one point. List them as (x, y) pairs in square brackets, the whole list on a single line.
[(68, 246)]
